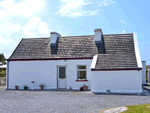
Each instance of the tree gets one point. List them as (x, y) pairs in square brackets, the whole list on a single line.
[(2, 59)]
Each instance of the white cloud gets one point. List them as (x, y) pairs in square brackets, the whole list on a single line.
[(35, 27), (123, 32), (105, 2), (6, 41), (7, 28), (63, 35), (26, 8), (8, 9), (74, 8), (122, 21)]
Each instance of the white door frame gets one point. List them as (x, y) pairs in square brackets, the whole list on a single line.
[(58, 74)]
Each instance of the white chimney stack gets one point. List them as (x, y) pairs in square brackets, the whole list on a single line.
[(98, 35), (53, 37)]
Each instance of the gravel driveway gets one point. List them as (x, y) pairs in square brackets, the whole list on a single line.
[(62, 102)]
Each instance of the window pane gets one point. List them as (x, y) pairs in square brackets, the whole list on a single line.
[(81, 74), (62, 72), (81, 67)]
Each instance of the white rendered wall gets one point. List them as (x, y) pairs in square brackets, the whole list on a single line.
[(148, 75), (98, 36), (144, 72), (117, 81), (93, 64), (137, 52), (7, 73), (23, 72), (71, 72), (54, 38)]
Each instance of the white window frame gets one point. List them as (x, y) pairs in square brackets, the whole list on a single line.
[(81, 70)]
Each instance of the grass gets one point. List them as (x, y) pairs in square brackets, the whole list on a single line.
[(144, 108)]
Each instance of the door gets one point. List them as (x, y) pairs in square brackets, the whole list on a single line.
[(62, 82)]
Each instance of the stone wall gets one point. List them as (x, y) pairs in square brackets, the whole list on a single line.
[(2, 81)]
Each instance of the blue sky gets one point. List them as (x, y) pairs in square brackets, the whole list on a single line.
[(37, 18)]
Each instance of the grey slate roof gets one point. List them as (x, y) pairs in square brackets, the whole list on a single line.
[(120, 53), (116, 51), (68, 47)]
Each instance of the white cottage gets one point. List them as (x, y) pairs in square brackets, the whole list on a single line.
[(105, 63)]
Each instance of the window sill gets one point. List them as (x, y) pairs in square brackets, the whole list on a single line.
[(81, 80)]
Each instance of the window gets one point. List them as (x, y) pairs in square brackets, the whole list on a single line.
[(81, 71)]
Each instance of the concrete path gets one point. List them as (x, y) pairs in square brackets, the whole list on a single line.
[(116, 110)]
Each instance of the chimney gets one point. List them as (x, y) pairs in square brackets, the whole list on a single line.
[(53, 37), (98, 35)]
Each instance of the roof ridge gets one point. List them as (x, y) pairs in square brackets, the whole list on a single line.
[(78, 36), (120, 34), (37, 38)]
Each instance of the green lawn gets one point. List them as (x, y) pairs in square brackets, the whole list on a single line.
[(145, 108)]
